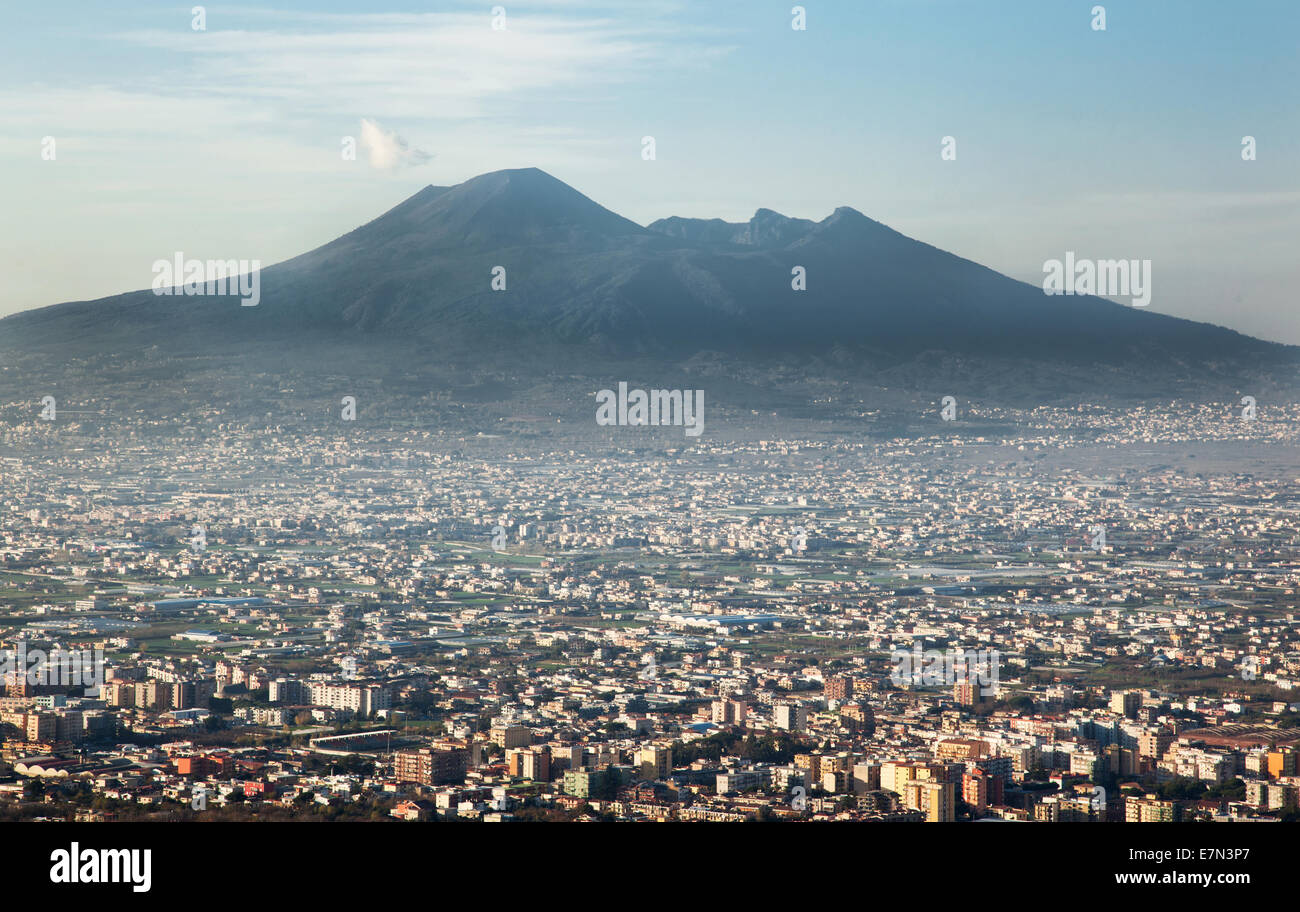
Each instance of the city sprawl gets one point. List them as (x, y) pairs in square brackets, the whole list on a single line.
[(1049, 614)]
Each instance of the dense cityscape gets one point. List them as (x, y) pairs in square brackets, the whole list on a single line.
[(288, 621)]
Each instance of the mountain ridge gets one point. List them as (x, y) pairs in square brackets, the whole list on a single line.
[(579, 277)]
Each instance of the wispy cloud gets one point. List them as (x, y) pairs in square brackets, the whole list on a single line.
[(435, 65), (281, 79), (386, 150)]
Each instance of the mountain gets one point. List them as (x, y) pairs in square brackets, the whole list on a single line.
[(589, 283), (765, 229)]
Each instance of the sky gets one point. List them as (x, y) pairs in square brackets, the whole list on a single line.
[(128, 135)]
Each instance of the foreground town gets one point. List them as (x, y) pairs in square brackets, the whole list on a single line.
[(276, 621)]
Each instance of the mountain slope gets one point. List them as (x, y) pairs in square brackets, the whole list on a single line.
[(580, 276)]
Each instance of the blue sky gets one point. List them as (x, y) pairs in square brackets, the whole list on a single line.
[(225, 143)]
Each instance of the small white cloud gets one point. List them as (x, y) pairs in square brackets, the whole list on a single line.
[(387, 150)]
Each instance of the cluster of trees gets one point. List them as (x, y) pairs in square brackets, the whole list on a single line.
[(776, 747), (1180, 788)]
